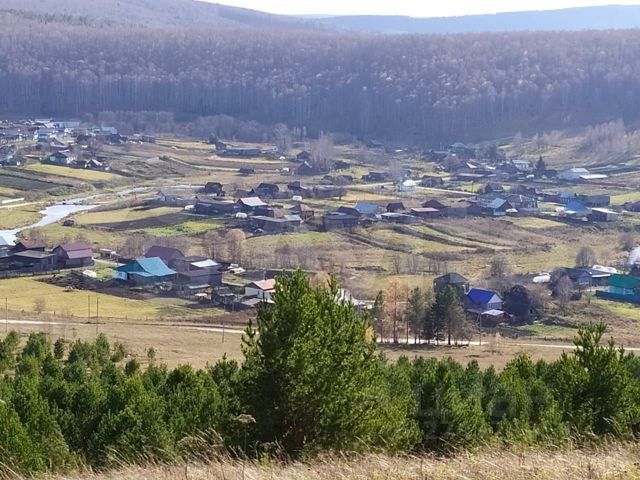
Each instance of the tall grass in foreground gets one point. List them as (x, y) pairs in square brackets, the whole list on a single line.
[(610, 461)]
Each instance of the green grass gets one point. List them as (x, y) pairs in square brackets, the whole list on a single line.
[(625, 197), (534, 222), (190, 227)]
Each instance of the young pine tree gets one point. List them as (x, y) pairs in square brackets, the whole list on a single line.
[(312, 378)]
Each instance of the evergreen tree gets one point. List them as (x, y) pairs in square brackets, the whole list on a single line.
[(312, 378)]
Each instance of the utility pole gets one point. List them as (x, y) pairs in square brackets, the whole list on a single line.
[(97, 313), (89, 308), (6, 314)]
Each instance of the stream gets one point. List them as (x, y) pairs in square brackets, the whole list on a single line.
[(61, 210)]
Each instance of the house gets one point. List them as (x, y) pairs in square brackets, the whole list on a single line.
[(145, 271), (35, 260), (306, 169), (625, 288), (73, 254), (461, 150), (328, 191), (576, 209), (426, 212), (519, 303), (367, 210), (525, 190), (267, 190), (451, 279), (251, 204), (580, 277), (344, 210), (396, 206), (64, 158), (166, 254), (406, 186), (479, 300), (196, 274), (431, 181), (497, 208), (23, 245), (340, 221), (395, 217), (603, 215), (263, 289), (572, 174), (304, 211), (578, 175), (523, 203), (595, 201), (239, 152), (304, 156), (494, 188), (522, 166), (214, 188), (288, 223), (376, 177), (246, 171), (433, 203), (214, 206)]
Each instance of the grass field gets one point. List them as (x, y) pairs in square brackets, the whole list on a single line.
[(22, 292), (76, 173), (610, 461), (124, 215), (19, 216)]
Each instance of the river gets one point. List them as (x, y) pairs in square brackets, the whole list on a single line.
[(63, 209)]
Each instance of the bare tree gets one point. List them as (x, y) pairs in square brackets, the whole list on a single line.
[(235, 240), (39, 305), (627, 242), (586, 257), (562, 291), (282, 138), (396, 304), (322, 152)]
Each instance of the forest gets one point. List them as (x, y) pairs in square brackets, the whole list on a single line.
[(311, 381), (424, 89)]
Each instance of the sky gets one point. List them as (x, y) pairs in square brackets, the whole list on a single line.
[(415, 8)]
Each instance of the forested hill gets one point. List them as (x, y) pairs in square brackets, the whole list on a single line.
[(418, 88), (581, 18), (154, 13)]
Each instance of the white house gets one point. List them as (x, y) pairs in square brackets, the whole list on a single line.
[(573, 174), (262, 289)]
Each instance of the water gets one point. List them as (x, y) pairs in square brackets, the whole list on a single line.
[(62, 210), (50, 215)]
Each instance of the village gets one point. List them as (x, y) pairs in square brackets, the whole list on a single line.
[(209, 225)]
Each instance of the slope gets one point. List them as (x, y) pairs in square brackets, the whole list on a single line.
[(154, 13)]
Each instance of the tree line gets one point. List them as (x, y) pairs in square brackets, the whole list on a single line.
[(311, 380), (417, 88)]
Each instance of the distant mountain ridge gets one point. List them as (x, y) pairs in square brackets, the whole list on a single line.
[(156, 13), (579, 18)]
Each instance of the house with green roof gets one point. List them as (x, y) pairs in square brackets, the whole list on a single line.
[(145, 271), (624, 288)]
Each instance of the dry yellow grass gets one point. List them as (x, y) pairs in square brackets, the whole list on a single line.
[(612, 461), (77, 173)]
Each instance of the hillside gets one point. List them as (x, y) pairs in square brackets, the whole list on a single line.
[(582, 18), (154, 13)]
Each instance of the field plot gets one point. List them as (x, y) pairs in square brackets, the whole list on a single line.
[(22, 292), (19, 215), (75, 173)]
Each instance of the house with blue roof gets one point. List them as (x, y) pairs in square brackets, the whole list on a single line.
[(480, 300), (145, 271), (576, 209), (367, 209), (497, 207)]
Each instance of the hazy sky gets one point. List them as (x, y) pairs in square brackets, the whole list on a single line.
[(416, 8)]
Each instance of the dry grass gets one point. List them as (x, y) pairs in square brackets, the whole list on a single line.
[(613, 461), (76, 173)]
